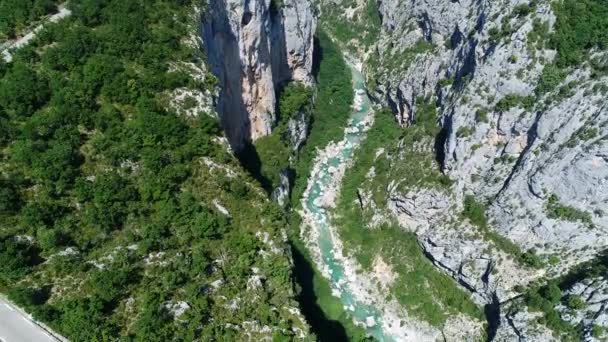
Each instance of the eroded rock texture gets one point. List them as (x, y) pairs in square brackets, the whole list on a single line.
[(253, 47), (521, 151)]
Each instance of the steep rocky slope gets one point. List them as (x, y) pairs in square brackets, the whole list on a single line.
[(253, 47), (522, 142)]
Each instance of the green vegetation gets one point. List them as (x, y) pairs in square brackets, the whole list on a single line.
[(276, 149), (324, 311), (415, 167), (481, 115), (444, 82), (597, 331), (505, 30), (293, 98), (576, 303), (579, 28), (427, 293), (331, 110), (475, 212), (112, 205), (544, 299), (512, 101), (364, 27), (274, 153), (550, 78), (539, 34), (585, 133), (17, 15), (556, 210), (401, 60), (398, 60), (465, 131)]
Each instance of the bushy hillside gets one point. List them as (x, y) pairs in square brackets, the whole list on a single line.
[(17, 15), (123, 213)]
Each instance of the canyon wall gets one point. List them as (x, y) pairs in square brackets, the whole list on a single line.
[(254, 46), (534, 156)]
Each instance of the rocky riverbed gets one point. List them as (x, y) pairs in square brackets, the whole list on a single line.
[(361, 291)]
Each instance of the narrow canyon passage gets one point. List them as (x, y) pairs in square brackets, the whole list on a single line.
[(322, 190)]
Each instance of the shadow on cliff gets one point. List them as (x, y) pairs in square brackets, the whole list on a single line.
[(492, 313), (247, 155), (317, 57), (223, 53), (250, 160), (326, 330)]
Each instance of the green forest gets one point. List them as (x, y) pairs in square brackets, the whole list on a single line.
[(113, 208), (17, 15)]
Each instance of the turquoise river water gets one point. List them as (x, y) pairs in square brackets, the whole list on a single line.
[(319, 182)]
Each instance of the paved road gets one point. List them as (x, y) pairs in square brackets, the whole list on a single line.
[(15, 326)]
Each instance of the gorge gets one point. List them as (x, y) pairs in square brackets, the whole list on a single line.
[(462, 181), (288, 170)]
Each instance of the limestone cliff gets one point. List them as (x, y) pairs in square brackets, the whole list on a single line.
[(537, 158), (253, 46)]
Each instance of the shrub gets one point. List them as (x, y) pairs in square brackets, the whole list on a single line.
[(531, 259), (522, 10), (513, 100), (481, 115), (292, 99), (465, 131), (474, 211), (494, 34), (556, 210), (576, 302), (550, 78)]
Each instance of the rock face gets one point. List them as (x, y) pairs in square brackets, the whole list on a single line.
[(587, 305), (516, 158), (297, 129), (253, 47), (488, 273), (282, 192), (529, 162)]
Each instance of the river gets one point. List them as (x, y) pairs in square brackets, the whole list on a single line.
[(320, 196)]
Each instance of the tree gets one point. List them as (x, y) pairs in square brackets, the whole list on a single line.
[(88, 11), (292, 99), (101, 69), (82, 319), (49, 239), (72, 50), (153, 320), (109, 284), (43, 7), (57, 163), (27, 296), (209, 225), (552, 293), (10, 200), (16, 258), (112, 195), (22, 91), (474, 211)]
